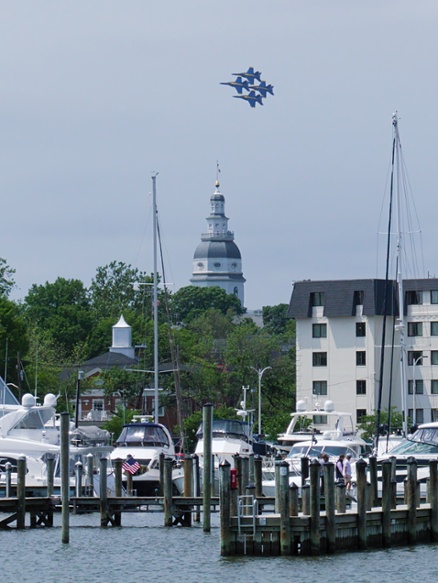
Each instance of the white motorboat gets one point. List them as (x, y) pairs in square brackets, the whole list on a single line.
[(310, 424), (145, 441)]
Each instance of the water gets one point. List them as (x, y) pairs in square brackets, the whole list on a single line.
[(144, 550)]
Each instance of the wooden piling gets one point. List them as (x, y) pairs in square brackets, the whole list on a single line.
[(386, 502), (283, 503), (258, 476), (372, 464), (8, 479), (251, 476), (207, 418), (412, 499), (196, 486), (90, 475), (167, 491), (340, 498), (188, 476), (238, 468), (329, 487), (305, 499), (433, 498), (103, 492), (304, 470), (21, 491), (65, 477), (161, 484), (245, 472), (315, 507), (50, 469), (293, 500), (225, 514), (361, 481), (118, 487), (78, 478)]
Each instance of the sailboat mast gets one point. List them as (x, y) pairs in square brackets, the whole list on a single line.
[(401, 318), (154, 204)]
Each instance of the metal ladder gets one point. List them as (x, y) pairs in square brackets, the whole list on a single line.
[(247, 507)]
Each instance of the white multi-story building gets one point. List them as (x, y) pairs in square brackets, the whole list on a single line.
[(339, 327)]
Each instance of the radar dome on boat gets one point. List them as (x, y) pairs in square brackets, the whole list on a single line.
[(301, 406), (329, 406), (28, 400), (50, 400)]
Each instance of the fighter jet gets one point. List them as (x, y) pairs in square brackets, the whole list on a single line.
[(251, 75), (263, 89), (239, 84), (252, 98)]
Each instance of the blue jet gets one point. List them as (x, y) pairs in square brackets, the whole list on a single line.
[(239, 84), (263, 89), (251, 75), (252, 98)]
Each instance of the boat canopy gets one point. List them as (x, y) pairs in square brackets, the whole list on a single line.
[(26, 418), (144, 434), (233, 428)]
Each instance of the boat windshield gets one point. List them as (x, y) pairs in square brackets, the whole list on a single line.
[(147, 435), (227, 428), (424, 440), (302, 450)]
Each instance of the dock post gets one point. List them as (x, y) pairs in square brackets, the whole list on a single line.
[(21, 491), (361, 480), (161, 486), (305, 499), (412, 499), (117, 463), (78, 476), (329, 487), (315, 506), (245, 472), (238, 468), (278, 470), (167, 491), (433, 498), (393, 461), (251, 476), (283, 503), (65, 477), (8, 476), (304, 470), (188, 476), (293, 500), (386, 502), (341, 502), (50, 469), (224, 503), (372, 463), (196, 486), (103, 493), (90, 474), (207, 419), (258, 476)]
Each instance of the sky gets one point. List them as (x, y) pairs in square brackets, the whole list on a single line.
[(96, 95)]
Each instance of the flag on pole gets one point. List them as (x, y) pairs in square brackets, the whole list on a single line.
[(131, 465)]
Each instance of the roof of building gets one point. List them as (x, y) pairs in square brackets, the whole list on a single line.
[(217, 250), (340, 298)]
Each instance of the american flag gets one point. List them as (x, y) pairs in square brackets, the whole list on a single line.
[(131, 465)]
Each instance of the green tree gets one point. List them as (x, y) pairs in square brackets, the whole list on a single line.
[(13, 336), (275, 318), (7, 282), (367, 425), (62, 310), (190, 302)]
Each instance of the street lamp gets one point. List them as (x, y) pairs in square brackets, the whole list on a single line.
[(260, 374), (414, 387)]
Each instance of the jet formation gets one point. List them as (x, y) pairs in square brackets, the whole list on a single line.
[(251, 82)]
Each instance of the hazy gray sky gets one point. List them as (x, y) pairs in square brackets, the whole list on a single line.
[(95, 95)]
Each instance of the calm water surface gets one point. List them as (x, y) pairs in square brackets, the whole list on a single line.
[(144, 550)]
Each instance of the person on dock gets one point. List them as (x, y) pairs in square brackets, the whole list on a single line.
[(347, 471), (340, 469)]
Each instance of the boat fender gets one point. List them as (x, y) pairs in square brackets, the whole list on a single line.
[(233, 479)]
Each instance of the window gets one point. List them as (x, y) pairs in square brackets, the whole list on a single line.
[(359, 414), (417, 357), (415, 328), (414, 298), (419, 416), (361, 359), (434, 387), (434, 414), (98, 405), (317, 298), (319, 388), (358, 298), (419, 387), (434, 296), (360, 329), (320, 359), (361, 387), (319, 330), (434, 357), (320, 420), (434, 328)]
